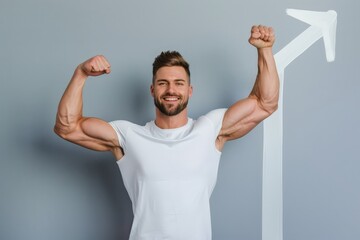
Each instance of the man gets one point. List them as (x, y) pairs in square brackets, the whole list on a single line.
[(169, 166)]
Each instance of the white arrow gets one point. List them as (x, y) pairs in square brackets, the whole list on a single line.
[(323, 24)]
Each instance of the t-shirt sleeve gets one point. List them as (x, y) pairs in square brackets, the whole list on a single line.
[(216, 117), (120, 127)]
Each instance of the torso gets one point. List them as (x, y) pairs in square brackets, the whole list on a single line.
[(169, 175)]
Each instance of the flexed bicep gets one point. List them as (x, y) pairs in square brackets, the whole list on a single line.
[(241, 118), (94, 134), (245, 114), (71, 125)]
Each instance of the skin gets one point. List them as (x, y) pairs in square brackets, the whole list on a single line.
[(170, 89)]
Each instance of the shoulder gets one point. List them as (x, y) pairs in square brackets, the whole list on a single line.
[(216, 114), (214, 118), (122, 124), (129, 132), (121, 128)]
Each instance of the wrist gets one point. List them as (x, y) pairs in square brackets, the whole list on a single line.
[(265, 50), (79, 72), (265, 53)]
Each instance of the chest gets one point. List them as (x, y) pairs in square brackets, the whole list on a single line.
[(194, 156)]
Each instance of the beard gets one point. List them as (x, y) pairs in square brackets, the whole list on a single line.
[(167, 110)]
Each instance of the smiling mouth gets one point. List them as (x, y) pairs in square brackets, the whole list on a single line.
[(171, 98)]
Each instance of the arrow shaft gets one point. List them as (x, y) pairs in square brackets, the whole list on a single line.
[(272, 194), (322, 25), (297, 46), (272, 199)]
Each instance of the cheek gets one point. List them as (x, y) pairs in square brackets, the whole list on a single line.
[(156, 93)]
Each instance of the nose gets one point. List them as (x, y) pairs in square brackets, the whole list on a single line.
[(171, 88)]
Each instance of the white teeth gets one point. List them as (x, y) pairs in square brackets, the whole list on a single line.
[(171, 99)]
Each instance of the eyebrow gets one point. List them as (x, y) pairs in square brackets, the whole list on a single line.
[(175, 80), (179, 80)]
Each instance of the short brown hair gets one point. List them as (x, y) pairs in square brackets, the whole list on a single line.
[(170, 59)]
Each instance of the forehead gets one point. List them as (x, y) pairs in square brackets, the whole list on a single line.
[(171, 73)]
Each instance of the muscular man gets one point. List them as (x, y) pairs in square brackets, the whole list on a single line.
[(169, 166)]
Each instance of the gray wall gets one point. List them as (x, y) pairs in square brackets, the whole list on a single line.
[(51, 189)]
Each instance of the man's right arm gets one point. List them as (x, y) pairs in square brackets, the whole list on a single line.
[(71, 125)]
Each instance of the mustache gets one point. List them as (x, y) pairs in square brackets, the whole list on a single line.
[(171, 95)]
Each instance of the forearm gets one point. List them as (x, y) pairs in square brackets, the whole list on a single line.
[(266, 87), (70, 106)]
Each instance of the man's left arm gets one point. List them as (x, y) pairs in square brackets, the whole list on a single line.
[(245, 114)]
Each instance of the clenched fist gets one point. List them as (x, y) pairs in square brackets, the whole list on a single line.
[(262, 36), (95, 66)]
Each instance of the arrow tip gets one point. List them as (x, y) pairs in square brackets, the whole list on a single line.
[(325, 21)]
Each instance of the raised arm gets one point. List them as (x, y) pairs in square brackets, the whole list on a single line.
[(71, 125), (245, 114)]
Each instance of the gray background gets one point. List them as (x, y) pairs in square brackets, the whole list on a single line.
[(52, 189)]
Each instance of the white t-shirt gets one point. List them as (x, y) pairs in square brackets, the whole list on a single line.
[(170, 175)]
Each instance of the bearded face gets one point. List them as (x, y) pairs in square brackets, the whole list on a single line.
[(171, 90)]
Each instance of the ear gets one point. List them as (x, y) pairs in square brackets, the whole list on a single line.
[(152, 90), (190, 90)]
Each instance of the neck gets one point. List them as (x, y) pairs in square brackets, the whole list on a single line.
[(166, 122)]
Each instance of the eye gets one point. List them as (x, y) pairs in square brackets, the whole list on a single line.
[(179, 83)]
